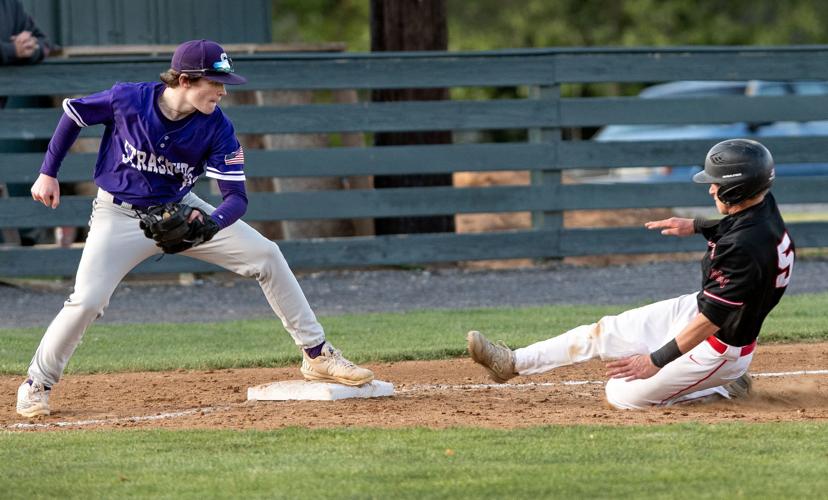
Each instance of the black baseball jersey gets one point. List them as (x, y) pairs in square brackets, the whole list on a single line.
[(746, 269)]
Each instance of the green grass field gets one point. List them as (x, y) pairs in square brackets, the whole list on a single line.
[(363, 337), (674, 461), (783, 460)]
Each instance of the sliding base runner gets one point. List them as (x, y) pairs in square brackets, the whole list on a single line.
[(697, 346)]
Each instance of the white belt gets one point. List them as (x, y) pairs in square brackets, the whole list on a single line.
[(107, 196)]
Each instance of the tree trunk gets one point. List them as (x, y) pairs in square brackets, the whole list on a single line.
[(410, 25)]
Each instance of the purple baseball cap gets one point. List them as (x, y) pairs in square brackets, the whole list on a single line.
[(207, 59)]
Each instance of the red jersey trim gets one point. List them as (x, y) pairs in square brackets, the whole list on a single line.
[(722, 300)]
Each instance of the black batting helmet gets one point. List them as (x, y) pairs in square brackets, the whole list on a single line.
[(742, 168)]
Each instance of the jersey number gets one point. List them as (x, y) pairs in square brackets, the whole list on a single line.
[(786, 262)]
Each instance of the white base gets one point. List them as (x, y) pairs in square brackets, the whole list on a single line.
[(317, 391)]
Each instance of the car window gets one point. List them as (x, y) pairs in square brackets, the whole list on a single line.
[(769, 88), (710, 92), (810, 88), (693, 89)]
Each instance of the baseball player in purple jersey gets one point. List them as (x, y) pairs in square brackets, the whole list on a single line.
[(697, 346), (159, 138)]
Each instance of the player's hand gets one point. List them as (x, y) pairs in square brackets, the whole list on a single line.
[(635, 367), (196, 214), (24, 44), (674, 226), (46, 190)]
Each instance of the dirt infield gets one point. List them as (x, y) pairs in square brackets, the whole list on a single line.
[(429, 394)]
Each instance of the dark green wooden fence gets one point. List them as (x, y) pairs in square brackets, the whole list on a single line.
[(543, 114)]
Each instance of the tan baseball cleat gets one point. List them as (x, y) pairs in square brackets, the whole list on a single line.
[(499, 360), (331, 366), (740, 388), (32, 399)]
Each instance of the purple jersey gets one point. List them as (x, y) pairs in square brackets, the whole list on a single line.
[(146, 159)]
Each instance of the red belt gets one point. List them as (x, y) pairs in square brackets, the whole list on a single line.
[(721, 347)]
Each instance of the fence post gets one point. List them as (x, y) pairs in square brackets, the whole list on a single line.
[(541, 220)]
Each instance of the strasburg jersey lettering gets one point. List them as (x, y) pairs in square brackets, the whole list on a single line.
[(148, 162), (146, 159)]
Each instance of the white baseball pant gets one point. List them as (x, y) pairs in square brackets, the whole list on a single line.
[(698, 373), (115, 245)]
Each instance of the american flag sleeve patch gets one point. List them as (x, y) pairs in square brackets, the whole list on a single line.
[(226, 167), (235, 158)]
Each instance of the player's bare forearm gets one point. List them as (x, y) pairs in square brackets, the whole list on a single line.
[(674, 226), (695, 332)]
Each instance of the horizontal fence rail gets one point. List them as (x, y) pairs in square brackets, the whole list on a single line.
[(399, 202), (436, 70), (365, 117), (541, 116), (415, 249), (391, 160), (469, 115)]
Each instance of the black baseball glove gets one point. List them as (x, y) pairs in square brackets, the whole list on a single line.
[(168, 225)]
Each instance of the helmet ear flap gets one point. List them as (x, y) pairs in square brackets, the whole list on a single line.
[(730, 195), (737, 193)]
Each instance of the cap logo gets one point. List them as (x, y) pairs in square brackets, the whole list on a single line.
[(728, 176), (223, 66), (718, 158)]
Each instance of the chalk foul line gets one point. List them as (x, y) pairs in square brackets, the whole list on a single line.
[(528, 385), (103, 421)]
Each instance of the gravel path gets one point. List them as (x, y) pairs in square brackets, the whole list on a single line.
[(330, 293)]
